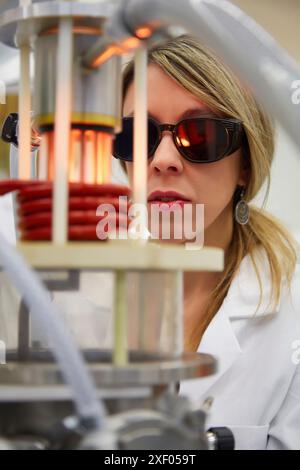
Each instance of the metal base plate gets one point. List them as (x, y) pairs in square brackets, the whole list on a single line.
[(121, 254), (139, 374)]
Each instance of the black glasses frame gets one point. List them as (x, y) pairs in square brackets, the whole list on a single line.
[(233, 127)]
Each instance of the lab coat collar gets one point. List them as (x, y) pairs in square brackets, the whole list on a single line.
[(240, 303)]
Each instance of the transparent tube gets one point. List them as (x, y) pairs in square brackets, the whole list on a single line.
[(75, 156), (154, 304), (46, 315), (14, 163), (89, 157), (103, 152)]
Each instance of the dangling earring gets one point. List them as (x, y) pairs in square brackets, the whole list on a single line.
[(241, 212)]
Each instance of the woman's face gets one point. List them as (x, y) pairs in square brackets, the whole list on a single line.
[(211, 184)]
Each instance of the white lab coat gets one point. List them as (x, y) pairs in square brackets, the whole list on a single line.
[(256, 390)]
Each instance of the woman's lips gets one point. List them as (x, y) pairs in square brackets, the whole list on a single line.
[(166, 205), (167, 200)]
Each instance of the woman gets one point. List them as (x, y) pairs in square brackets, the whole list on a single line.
[(246, 315)]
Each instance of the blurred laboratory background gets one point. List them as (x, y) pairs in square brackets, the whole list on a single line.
[(281, 18)]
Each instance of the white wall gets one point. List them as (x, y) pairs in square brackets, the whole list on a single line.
[(284, 195), (281, 19)]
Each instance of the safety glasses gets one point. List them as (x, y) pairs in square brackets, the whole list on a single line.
[(199, 140)]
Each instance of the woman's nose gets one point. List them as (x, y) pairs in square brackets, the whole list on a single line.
[(166, 157)]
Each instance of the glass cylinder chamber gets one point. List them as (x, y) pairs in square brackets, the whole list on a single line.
[(95, 109), (153, 315)]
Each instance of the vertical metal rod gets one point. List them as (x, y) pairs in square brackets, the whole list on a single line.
[(24, 114), (33, 164), (13, 161), (23, 352), (142, 330), (120, 353), (43, 159), (140, 135), (62, 130), (178, 327)]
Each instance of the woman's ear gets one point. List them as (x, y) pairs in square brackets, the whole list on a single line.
[(245, 169), (244, 176)]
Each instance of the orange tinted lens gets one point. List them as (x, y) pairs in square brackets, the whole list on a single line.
[(202, 140)]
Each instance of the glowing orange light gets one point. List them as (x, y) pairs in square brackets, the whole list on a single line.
[(104, 150), (143, 32), (89, 30), (131, 43), (107, 54), (184, 142), (50, 139), (89, 156), (75, 156), (114, 49)]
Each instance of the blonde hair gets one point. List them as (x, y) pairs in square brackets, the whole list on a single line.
[(201, 72)]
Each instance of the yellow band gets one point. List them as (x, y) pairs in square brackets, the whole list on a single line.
[(81, 118)]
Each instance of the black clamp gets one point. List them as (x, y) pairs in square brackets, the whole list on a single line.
[(9, 129)]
